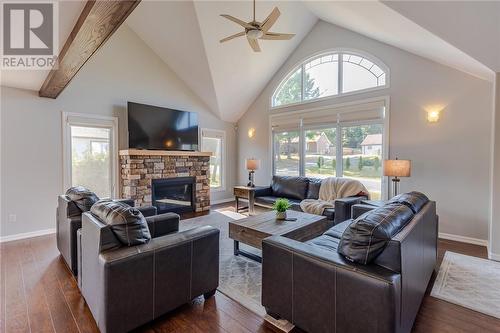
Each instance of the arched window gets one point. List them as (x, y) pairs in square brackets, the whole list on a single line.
[(330, 74)]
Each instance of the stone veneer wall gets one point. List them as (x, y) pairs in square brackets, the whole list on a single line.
[(138, 170)]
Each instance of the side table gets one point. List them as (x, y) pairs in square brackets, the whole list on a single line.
[(246, 193)]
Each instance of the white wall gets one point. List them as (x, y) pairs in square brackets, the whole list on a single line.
[(125, 69), (494, 249), (450, 159)]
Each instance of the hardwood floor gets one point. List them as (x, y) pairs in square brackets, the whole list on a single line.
[(39, 294)]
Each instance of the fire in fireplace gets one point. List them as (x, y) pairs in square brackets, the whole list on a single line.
[(174, 194)]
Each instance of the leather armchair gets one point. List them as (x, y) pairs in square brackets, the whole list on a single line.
[(313, 286), (68, 221), (126, 287)]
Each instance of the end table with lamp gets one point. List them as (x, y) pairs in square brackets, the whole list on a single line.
[(247, 192), (397, 168), (252, 164)]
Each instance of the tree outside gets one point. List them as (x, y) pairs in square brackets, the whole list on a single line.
[(92, 171), (291, 90), (90, 159)]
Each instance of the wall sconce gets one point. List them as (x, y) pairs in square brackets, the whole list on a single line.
[(434, 112), (433, 116), (251, 133)]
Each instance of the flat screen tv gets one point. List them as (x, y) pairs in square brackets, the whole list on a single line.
[(153, 127)]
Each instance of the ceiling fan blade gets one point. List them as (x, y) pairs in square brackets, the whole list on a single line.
[(277, 36), (254, 44), (270, 20), (239, 34), (238, 21)]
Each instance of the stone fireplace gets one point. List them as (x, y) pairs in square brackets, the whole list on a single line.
[(179, 179)]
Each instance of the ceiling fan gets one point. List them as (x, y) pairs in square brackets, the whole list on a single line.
[(256, 30)]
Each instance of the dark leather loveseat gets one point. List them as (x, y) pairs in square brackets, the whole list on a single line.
[(128, 286), (296, 189), (363, 275)]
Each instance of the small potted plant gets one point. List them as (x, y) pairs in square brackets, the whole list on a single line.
[(280, 206)]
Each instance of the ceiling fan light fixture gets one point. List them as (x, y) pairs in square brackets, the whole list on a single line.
[(255, 30), (254, 34)]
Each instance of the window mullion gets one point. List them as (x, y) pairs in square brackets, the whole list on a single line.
[(340, 74), (273, 133), (302, 75), (338, 151), (302, 146)]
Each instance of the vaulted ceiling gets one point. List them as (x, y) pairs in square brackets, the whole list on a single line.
[(229, 76)]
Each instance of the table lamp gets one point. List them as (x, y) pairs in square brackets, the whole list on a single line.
[(397, 168), (252, 165)]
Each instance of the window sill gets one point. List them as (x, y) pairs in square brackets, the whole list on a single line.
[(217, 189)]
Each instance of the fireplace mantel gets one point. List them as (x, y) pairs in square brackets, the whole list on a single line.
[(145, 152)]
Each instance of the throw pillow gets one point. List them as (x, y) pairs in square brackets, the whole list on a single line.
[(366, 237), (127, 223), (82, 197)]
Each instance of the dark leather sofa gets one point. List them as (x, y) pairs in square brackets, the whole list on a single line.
[(128, 286), (319, 289), (69, 220), (296, 189)]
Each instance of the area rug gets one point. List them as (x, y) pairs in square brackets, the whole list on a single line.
[(240, 278), (470, 282)]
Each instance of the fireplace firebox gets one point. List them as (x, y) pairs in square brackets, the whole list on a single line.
[(174, 194)]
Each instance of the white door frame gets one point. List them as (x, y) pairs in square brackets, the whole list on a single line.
[(84, 119)]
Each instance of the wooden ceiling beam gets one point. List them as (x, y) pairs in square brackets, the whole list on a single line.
[(97, 22)]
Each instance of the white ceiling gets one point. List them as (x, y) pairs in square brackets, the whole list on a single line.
[(472, 26), (69, 11), (172, 31), (228, 77), (378, 21)]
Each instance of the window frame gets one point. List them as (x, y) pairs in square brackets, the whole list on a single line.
[(340, 52), (217, 134), (301, 128), (300, 152), (90, 120)]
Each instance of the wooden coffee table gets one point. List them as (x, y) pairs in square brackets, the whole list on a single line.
[(253, 229)]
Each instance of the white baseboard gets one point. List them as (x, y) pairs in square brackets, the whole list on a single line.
[(493, 256), (463, 239), (31, 234), (216, 202)]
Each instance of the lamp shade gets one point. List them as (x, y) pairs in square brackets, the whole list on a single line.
[(397, 168), (252, 164)]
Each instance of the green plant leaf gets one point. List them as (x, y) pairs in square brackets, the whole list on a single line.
[(281, 205)]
